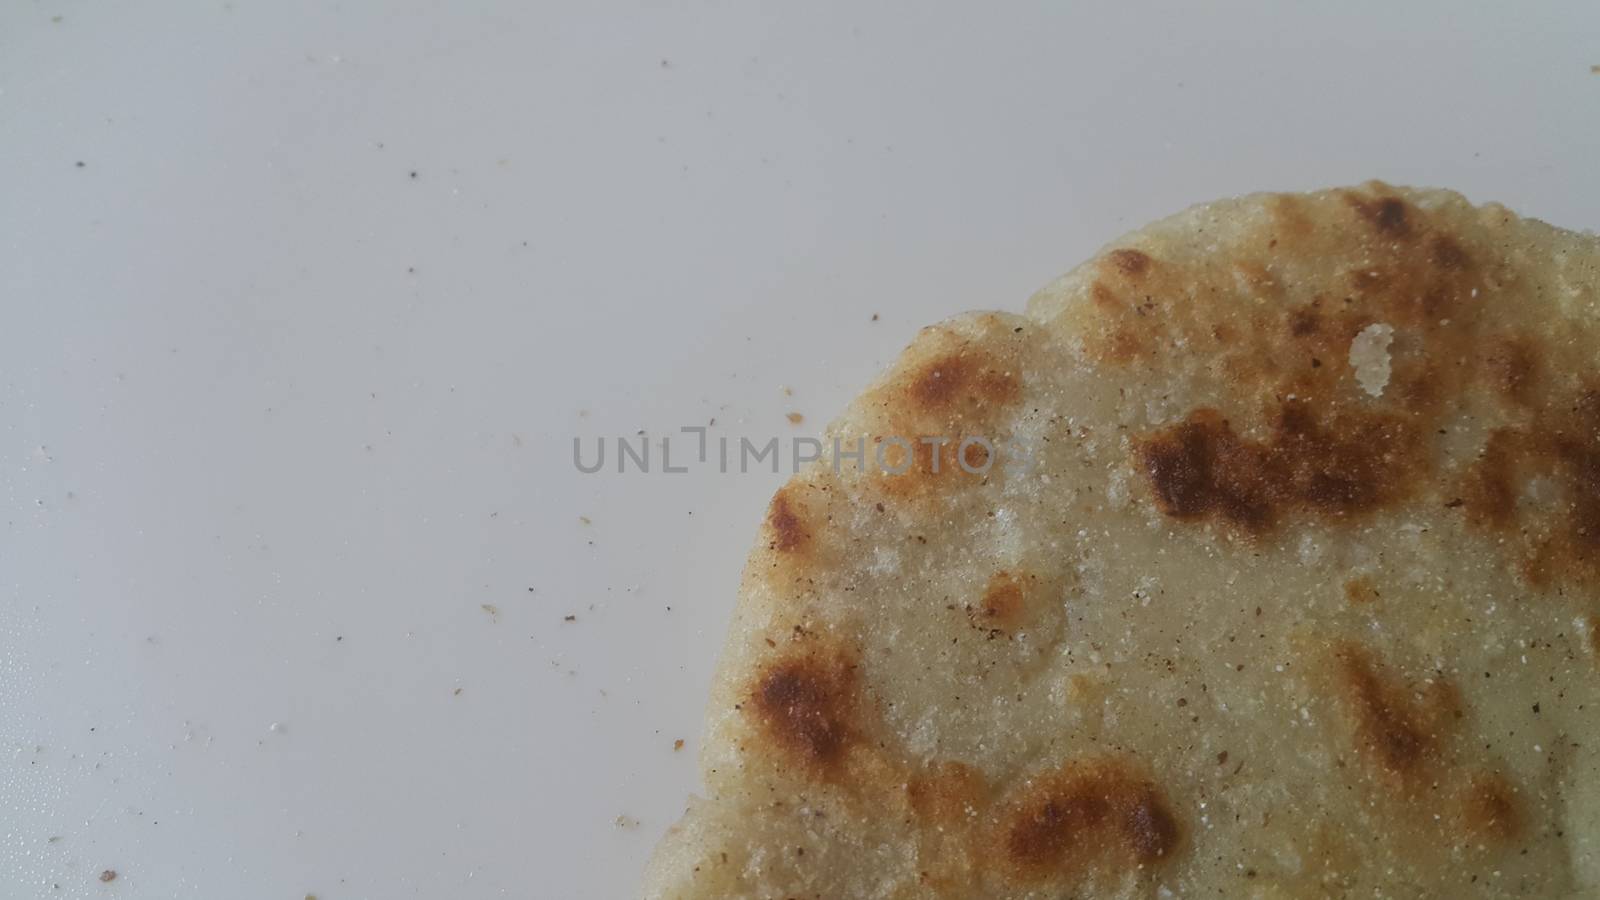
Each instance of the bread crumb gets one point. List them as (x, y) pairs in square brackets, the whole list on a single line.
[(795, 418), (1369, 356), (677, 745), (108, 875)]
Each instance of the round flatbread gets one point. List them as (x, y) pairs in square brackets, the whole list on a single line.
[(1259, 558)]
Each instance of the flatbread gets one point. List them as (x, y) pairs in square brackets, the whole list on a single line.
[(1281, 578)]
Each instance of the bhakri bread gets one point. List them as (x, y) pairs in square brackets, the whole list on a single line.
[(1282, 579)]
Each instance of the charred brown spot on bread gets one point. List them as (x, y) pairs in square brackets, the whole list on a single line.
[(1561, 448), (936, 419), (1360, 590), (1488, 492), (1201, 468), (1446, 253), (958, 378), (1190, 471), (947, 793), (1489, 808), (1129, 262), (1101, 812), (790, 533), (1149, 828), (1397, 729), (1105, 298), (1389, 216), (1513, 369), (974, 455), (1003, 606), (1304, 322), (806, 705)]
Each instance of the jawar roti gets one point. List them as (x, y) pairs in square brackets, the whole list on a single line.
[(1297, 594)]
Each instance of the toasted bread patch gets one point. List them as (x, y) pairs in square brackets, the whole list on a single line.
[(1094, 812), (806, 705), (1397, 728), (1201, 468)]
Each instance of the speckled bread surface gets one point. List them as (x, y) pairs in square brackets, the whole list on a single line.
[(1275, 573)]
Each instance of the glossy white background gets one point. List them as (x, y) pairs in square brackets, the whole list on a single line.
[(278, 419)]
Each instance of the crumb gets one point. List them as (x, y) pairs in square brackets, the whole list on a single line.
[(1594, 69), (874, 317), (677, 745), (456, 692), (491, 609), (569, 618), (787, 391), (627, 822), (108, 875), (584, 520), (795, 418)]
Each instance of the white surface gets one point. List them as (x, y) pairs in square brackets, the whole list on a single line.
[(237, 427)]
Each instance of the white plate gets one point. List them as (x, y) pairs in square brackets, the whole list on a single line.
[(287, 428)]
